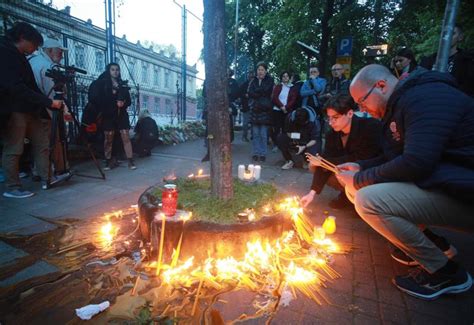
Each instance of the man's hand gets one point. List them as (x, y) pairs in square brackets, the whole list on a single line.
[(307, 199), (57, 104), (346, 178), (300, 149), (354, 167), (120, 103), (313, 160), (283, 108)]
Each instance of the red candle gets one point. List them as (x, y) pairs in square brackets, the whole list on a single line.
[(169, 199)]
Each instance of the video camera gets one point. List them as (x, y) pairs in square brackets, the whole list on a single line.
[(61, 74)]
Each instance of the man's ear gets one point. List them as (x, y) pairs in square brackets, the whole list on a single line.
[(350, 113), (382, 84)]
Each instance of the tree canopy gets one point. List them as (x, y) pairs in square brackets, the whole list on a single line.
[(268, 30)]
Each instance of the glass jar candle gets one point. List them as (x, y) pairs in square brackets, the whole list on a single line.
[(169, 199)]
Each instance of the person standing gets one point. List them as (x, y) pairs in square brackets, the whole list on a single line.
[(260, 95), (312, 89), (245, 109), (338, 84), (22, 104), (281, 101), (112, 97), (50, 56)]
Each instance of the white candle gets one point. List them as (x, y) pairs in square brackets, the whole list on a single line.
[(251, 168), (256, 172), (241, 171)]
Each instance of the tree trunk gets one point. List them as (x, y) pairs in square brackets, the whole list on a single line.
[(377, 20), (325, 34), (217, 100)]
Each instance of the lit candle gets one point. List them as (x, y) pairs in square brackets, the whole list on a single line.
[(329, 225), (248, 175), (256, 172), (241, 171), (250, 168), (162, 241)]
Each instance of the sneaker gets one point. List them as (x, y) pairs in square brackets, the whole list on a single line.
[(131, 164), (46, 185), (288, 165), (449, 250), (22, 175), (255, 158), (262, 158), (340, 202), (108, 165), (421, 284), (275, 149), (18, 194)]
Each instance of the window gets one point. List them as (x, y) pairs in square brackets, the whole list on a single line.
[(156, 76), (131, 64), (99, 61), (167, 79), (157, 104), (145, 101), (168, 106), (80, 56), (145, 73)]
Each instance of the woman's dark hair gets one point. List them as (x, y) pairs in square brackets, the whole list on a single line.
[(340, 103), (407, 53), (24, 31), (262, 64), (106, 73), (281, 74), (301, 116)]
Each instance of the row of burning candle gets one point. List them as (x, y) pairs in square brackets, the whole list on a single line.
[(252, 172)]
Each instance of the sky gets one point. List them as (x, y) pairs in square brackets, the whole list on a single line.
[(147, 20)]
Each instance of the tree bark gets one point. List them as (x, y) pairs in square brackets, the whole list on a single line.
[(217, 99), (325, 34)]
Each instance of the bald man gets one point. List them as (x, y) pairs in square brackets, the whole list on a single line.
[(425, 176), (338, 84)]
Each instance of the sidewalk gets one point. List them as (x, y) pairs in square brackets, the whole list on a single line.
[(364, 294)]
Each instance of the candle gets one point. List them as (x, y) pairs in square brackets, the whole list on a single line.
[(329, 225), (250, 168), (248, 175), (319, 233), (256, 172), (241, 171), (162, 241)]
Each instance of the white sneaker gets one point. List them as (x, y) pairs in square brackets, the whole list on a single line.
[(288, 165)]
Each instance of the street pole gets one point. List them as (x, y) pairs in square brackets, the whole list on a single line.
[(447, 30), (183, 65), (236, 35), (110, 29)]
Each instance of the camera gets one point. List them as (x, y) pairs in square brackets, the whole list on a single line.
[(61, 75)]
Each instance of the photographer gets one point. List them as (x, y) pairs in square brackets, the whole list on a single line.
[(110, 94), (302, 135), (22, 104), (50, 56)]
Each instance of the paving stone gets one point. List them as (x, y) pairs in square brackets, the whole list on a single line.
[(391, 296), (38, 269), (394, 314), (362, 277), (365, 291), (8, 254), (365, 320)]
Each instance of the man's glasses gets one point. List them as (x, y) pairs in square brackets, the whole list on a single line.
[(336, 69), (363, 99)]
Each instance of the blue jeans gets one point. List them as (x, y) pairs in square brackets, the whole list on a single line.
[(259, 141), (245, 123)]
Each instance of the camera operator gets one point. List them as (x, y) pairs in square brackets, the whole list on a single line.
[(110, 94), (302, 135), (50, 56), (21, 104)]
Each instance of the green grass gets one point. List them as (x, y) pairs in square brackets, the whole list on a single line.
[(195, 196)]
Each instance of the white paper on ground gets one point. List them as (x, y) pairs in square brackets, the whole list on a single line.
[(87, 312)]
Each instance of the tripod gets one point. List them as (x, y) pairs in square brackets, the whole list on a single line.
[(58, 132)]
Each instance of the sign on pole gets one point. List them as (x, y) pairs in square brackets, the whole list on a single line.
[(375, 50), (344, 46)]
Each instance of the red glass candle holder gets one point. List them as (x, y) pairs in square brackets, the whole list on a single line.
[(169, 199)]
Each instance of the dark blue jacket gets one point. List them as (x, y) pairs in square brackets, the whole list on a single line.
[(428, 137), (260, 95)]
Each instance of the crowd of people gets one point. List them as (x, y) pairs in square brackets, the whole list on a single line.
[(401, 137), (33, 111)]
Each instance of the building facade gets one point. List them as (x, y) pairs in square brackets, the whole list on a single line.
[(154, 77)]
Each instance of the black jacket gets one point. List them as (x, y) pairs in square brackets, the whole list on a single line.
[(428, 137), (244, 100), (260, 102), (147, 130), (18, 89), (363, 143)]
